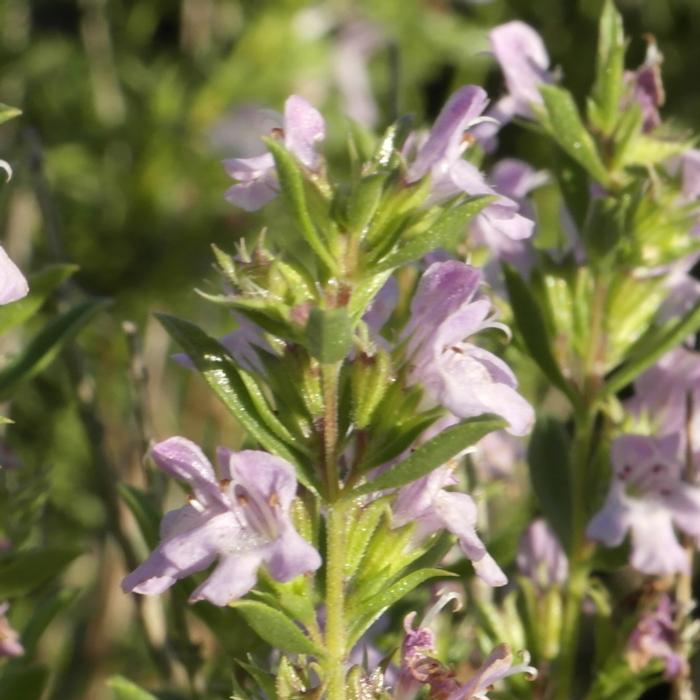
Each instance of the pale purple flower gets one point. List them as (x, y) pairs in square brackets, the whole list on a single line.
[(9, 638), (382, 306), (302, 127), (447, 309), (540, 556), (13, 284), (514, 179), (646, 87), (430, 507), (656, 637), (648, 498), (497, 454), (441, 157), (524, 60), (660, 395), (419, 667), (242, 521)]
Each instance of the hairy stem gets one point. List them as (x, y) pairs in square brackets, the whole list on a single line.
[(335, 603)]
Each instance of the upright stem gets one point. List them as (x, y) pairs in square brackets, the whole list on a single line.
[(335, 603), (579, 553), (335, 540)]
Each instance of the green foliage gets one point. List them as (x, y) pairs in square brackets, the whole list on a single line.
[(275, 628), (433, 453)]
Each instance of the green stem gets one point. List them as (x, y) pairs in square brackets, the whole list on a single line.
[(335, 603), (335, 539), (329, 384)]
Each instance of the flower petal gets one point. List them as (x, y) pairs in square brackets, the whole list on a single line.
[(13, 284), (303, 128)]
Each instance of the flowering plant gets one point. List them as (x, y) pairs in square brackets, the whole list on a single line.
[(366, 373), (447, 394)]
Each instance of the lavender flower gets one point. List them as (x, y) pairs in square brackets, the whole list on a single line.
[(9, 638), (447, 308), (523, 58), (13, 284), (257, 184), (540, 556), (243, 521), (661, 392), (430, 507), (441, 157), (419, 667), (647, 497), (514, 179), (646, 87), (656, 637)]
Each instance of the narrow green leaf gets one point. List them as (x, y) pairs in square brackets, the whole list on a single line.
[(123, 689), (548, 459), (276, 628), (44, 347), (649, 151), (42, 616), (7, 112), (447, 231), (41, 285), (329, 334), (364, 202), (432, 454), (530, 323), (366, 521), (144, 512), (567, 129), (292, 184), (605, 109), (23, 571), (649, 353), (219, 371), (363, 613), (24, 682)]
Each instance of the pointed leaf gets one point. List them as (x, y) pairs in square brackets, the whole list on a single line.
[(605, 109), (219, 370), (565, 125), (362, 614), (279, 631), (433, 453), (446, 232), (649, 352), (292, 183), (41, 285), (44, 347), (531, 325)]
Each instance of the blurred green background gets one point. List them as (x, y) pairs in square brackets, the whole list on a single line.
[(128, 109)]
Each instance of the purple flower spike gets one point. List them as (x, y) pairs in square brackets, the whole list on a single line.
[(419, 667), (13, 285), (426, 503), (303, 127), (9, 638), (446, 141), (523, 58), (648, 497), (656, 637), (242, 521), (540, 556), (468, 381), (647, 88)]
